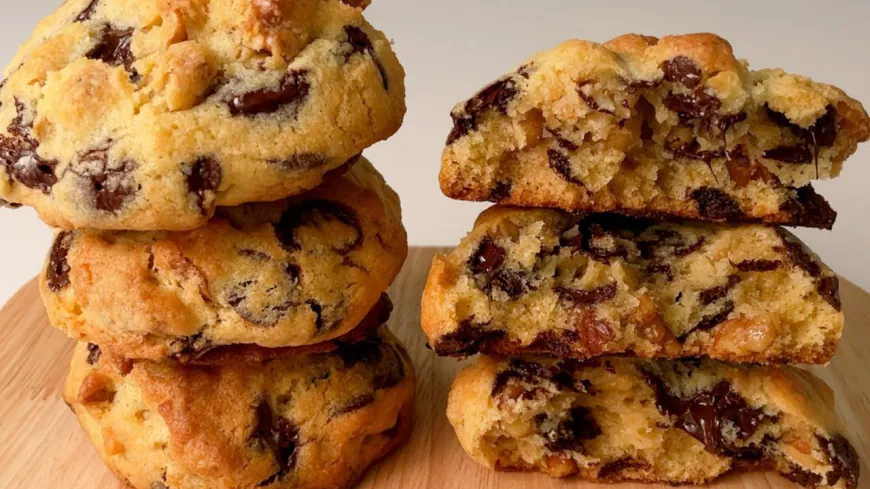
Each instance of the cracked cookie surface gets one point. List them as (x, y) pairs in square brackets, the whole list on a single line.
[(674, 126), (146, 115), (622, 419), (289, 273), (296, 421), (548, 282)]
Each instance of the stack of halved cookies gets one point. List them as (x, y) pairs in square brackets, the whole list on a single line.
[(223, 251), (636, 304)]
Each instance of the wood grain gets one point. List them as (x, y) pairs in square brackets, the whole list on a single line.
[(43, 447)]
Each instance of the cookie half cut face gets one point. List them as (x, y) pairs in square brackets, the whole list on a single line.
[(148, 114), (541, 281), (674, 126), (282, 274), (294, 422), (626, 419)]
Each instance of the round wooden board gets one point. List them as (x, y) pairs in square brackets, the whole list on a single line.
[(43, 447)]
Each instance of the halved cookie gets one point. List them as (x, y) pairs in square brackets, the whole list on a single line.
[(540, 281)]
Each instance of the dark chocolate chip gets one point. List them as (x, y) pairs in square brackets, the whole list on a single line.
[(191, 347), (570, 432), (113, 49), (361, 44), (87, 12), (710, 321), (798, 255), (802, 477), (829, 289), (291, 92), (661, 268), (496, 95), (525, 70), (510, 282), (204, 175), (265, 311), (109, 184), (705, 415), (682, 70), (758, 265), (717, 205), (9, 205), (611, 469), (93, 354), (693, 151), (18, 153), (500, 192), (390, 370), (713, 294), (798, 155), (807, 208), (365, 352), (823, 132), (587, 296), (301, 162), (843, 459), (562, 165), (588, 99), (488, 257), (57, 273), (313, 213), (280, 435), (697, 105), (466, 340)]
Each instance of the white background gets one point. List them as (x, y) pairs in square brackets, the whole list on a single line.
[(450, 48)]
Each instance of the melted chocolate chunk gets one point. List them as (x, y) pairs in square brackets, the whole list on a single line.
[(93, 354), (488, 257), (614, 468), (668, 243), (587, 296), (265, 311), (562, 165), (796, 155), (9, 205), (57, 273), (570, 432), (301, 162), (466, 340), (87, 12), (844, 461), (689, 107), (500, 192), (204, 175), (280, 435), (531, 373), (291, 93), (188, 348), (18, 153), (361, 44), (798, 255), (312, 212), (494, 96), (807, 208), (717, 205), (390, 371), (661, 268), (802, 477), (829, 289), (714, 294), (682, 70), (822, 133), (114, 49), (710, 321), (706, 414), (365, 352), (758, 265)]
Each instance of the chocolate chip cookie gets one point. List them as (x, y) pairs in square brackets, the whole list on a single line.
[(674, 126), (146, 115), (542, 281), (622, 419), (315, 421), (294, 272)]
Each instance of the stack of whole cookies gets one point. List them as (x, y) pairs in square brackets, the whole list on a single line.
[(228, 338), (633, 331)]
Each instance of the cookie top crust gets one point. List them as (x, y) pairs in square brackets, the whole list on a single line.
[(146, 115), (674, 126), (297, 421), (288, 273), (543, 281)]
